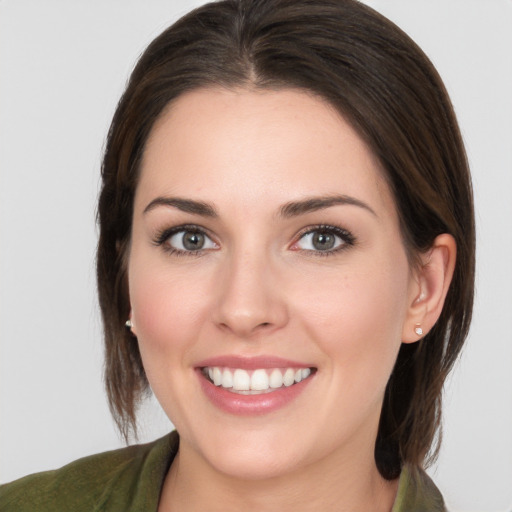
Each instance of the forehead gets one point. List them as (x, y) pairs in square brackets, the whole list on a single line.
[(258, 143)]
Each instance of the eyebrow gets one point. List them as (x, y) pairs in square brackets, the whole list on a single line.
[(288, 210), (185, 205), (312, 204)]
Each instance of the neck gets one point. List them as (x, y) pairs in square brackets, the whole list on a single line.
[(331, 483)]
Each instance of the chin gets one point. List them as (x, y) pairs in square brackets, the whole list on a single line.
[(251, 455), (254, 466)]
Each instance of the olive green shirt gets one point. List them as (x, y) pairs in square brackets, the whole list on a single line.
[(130, 479)]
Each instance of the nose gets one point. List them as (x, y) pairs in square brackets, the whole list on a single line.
[(250, 299)]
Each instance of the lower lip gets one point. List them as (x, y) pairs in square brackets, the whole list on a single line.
[(248, 405)]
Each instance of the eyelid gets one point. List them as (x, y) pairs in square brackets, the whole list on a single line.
[(346, 237), (163, 235)]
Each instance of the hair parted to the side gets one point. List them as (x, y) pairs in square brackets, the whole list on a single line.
[(381, 83)]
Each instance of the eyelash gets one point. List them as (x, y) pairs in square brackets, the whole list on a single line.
[(163, 236), (348, 240)]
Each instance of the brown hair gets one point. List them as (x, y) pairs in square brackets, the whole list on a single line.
[(384, 85)]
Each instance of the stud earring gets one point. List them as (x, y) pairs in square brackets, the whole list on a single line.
[(418, 330), (128, 324)]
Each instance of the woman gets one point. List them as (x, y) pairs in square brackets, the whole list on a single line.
[(286, 257)]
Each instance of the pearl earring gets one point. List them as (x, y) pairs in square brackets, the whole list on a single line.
[(128, 324), (418, 330)]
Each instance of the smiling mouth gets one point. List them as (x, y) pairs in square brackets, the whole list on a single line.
[(255, 382)]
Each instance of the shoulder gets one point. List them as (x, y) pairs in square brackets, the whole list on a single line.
[(417, 493), (130, 477)]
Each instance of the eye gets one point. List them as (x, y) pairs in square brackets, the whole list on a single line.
[(185, 240), (327, 239)]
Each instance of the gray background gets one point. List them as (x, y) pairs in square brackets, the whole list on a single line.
[(62, 68)]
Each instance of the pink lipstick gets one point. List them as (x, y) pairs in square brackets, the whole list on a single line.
[(253, 385)]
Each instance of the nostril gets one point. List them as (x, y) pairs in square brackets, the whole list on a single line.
[(263, 326)]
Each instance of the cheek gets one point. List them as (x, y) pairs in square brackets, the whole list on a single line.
[(166, 307), (357, 319)]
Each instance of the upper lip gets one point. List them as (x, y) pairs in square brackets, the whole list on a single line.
[(251, 363)]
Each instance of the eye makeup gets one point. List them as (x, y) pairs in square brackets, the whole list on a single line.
[(323, 240), (193, 240)]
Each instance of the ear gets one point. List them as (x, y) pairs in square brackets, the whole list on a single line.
[(131, 323), (430, 286)]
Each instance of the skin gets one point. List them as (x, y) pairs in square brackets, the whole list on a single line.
[(259, 287)]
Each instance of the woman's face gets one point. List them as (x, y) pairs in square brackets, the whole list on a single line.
[(266, 248)]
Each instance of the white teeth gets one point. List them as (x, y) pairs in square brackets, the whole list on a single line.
[(261, 380), (227, 379), (217, 376), (276, 379), (289, 377), (241, 380)]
